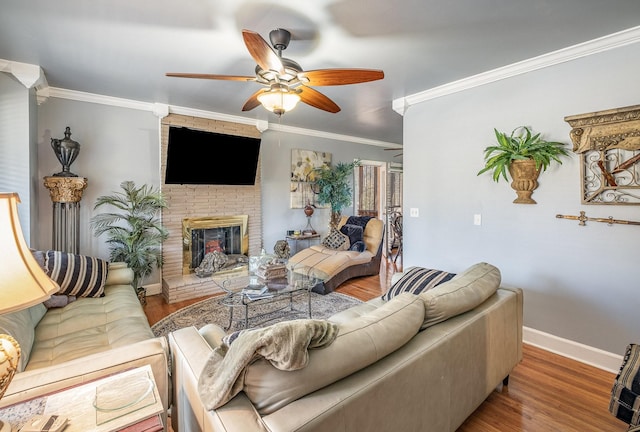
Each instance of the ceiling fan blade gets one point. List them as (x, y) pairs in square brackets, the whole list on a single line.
[(329, 77), (318, 100), (262, 53), (252, 102), (211, 76)]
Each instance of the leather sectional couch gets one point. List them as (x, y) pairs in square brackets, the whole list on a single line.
[(87, 339), (414, 362)]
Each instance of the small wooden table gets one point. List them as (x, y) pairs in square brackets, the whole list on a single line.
[(294, 241), (127, 401)]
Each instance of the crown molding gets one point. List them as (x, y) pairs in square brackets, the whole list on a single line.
[(333, 136), (29, 75), (162, 110), (605, 43)]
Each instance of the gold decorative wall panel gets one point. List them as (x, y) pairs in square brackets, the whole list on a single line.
[(608, 143)]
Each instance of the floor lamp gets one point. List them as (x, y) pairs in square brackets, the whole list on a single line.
[(23, 283)]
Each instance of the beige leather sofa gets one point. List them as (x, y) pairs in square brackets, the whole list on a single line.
[(382, 373), (333, 267), (87, 339)]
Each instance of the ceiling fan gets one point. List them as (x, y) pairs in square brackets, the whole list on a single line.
[(395, 149), (285, 82)]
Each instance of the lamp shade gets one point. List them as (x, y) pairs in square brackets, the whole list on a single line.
[(279, 100), (23, 282)]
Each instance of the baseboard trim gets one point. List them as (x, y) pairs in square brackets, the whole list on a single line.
[(573, 350), (154, 289)]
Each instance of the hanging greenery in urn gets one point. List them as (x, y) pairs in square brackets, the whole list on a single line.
[(332, 184), (524, 154)]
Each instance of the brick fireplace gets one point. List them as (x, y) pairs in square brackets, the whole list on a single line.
[(203, 201)]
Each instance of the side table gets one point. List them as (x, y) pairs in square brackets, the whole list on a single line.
[(299, 242), (127, 401)]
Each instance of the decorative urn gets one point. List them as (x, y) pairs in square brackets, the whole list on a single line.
[(66, 151)]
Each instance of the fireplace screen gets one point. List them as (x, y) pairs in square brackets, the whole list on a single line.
[(224, 239), (226, 234)]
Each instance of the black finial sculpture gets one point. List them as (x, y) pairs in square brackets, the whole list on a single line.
[(66, 151)]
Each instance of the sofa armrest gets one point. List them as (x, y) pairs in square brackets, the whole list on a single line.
[(37, 382), (119, 274), (189, 353)]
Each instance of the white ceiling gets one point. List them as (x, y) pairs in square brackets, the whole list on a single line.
[(122, 48)]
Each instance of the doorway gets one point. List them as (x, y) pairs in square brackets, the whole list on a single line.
[(378, 193)]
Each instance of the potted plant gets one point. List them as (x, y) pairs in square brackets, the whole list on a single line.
[(523, 154), (333, 187), (134, 233)]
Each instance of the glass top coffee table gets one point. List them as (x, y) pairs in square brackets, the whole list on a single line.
[(256, 298)]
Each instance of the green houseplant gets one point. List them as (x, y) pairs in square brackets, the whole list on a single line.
[(134, 233), (524, 154), (333, 187)]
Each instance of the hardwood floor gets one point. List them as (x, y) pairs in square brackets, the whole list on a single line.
[(546, 392)]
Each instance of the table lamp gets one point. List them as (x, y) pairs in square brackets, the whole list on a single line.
[(23, 283)]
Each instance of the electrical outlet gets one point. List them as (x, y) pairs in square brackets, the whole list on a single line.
[(477, 219), (414, 212)]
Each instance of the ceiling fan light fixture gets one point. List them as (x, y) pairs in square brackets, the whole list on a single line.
[(279, 100)]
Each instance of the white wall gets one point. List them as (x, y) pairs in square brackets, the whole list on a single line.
[(120, 144), (277, 215), (580, 283), (116, 144)]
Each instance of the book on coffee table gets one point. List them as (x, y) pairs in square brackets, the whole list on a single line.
[(264, 295), (259, 289), (277, 284)]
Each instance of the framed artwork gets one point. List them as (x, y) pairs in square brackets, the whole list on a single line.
[(303, 166), (608, 143)]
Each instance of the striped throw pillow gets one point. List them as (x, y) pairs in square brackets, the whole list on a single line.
[(625, 394), (417, 280), (78, 275)]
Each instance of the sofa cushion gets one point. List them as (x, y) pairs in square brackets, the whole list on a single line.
[(356, 311), (373, 230), (324, 263), (417, 280), (336, 240), (78, 275), (360, 342), (20, 325), (462, 293), (89, 325), (58, 300), (119, 273)]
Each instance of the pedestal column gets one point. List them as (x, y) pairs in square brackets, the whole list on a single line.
[(66, 193)]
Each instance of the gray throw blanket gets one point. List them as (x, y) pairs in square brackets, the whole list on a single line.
[(284, 345)]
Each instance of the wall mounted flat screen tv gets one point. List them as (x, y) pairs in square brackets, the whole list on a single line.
[(201, 157)]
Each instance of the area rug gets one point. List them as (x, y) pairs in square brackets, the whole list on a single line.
[(211, 311)]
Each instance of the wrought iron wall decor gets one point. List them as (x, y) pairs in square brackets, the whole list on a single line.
[(608, 143), (609, 221)]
